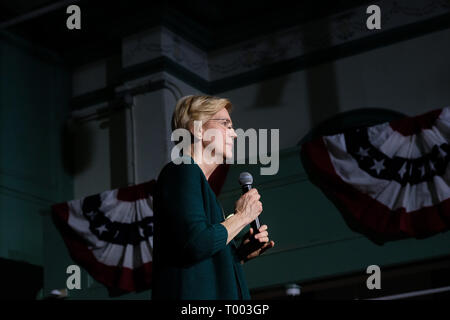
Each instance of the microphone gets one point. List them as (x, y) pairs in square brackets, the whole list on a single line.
[(246, 181)]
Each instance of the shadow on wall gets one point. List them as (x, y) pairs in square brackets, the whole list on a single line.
[(320, 80), (269, 92), (340, 122), (76, 147)]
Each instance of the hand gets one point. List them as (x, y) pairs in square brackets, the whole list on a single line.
[(255, 245), (248, 207)]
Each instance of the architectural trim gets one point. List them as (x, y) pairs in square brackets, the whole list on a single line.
[(272, 55)]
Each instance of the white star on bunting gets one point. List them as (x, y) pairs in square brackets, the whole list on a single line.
[(432, 166), (442, 153), (141, 232), (422, 170), (378, 166), (102, 229), (402, 170), (363, 152), (90, 214)]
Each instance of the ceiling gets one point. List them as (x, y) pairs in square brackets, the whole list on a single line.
[(208, 24)]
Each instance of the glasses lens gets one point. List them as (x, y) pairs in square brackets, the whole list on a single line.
[(225, 123)]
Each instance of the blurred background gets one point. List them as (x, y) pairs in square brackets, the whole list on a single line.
[(88, 110)]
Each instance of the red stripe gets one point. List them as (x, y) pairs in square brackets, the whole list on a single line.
[(369, 212), (114, 277), (136, 192), (413, 125)]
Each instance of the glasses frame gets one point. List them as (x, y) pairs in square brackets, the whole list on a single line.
[(228, 121)]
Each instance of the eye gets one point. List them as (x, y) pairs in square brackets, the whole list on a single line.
[(227, 124)]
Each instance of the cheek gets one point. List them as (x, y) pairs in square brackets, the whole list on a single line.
[(221, 145), (217, 143)]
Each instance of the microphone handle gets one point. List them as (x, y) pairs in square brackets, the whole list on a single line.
[(255, 223)]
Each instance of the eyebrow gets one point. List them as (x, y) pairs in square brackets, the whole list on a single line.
[(229, 120)]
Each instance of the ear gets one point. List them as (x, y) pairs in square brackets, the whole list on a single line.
[(196, 129)]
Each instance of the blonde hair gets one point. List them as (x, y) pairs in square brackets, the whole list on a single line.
[(197, 107)]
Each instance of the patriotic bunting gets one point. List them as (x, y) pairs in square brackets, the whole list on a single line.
[(390, 180), (110, 235)]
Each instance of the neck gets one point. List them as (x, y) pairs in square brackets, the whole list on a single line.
[(207, 168)]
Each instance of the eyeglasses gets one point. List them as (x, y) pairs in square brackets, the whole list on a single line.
[(225, 123)]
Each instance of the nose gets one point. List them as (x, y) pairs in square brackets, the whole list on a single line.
[(233, 134)]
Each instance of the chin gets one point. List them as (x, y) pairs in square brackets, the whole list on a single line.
[(228, 155), (227, 152)]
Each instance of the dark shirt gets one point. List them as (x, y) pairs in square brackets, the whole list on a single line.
[(191, 259)]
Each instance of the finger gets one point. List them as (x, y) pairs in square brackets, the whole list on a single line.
[(254, 196), (263, 239), (263, 227), (262, 234), (263, 249), (250, 231), (266, 247), (268, 244)]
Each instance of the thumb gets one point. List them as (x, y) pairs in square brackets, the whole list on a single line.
[(250, 231)]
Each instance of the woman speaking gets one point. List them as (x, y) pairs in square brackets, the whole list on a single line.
[(194, 254)]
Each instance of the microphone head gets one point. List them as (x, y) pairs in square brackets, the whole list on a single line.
[(245, 178)]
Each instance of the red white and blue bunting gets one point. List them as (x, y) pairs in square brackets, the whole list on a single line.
[(393, 179), (110, 235)]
